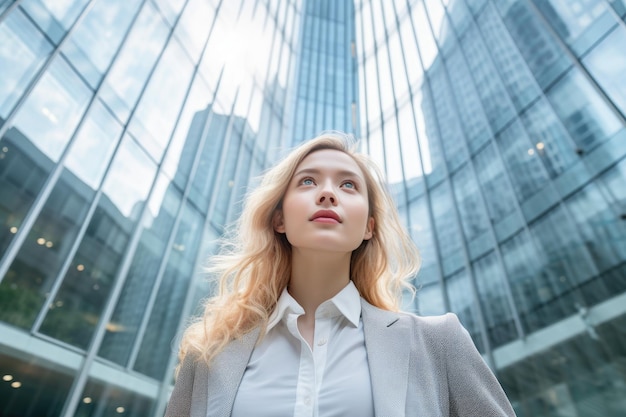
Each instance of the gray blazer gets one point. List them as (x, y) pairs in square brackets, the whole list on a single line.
[(419, 366)]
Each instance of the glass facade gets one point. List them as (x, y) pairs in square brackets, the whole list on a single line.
[(130, 132)]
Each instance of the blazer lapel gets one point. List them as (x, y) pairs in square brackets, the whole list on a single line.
[(387, 340), (226, 373)]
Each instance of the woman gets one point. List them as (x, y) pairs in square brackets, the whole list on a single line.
[(306, 321)]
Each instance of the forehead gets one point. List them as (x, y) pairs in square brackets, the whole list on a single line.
[(330, 160)]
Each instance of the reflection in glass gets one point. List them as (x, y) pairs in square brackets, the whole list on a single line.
[(607, 64), (468, 201), (129, 72), (495, 99), (22, 52), (430, 300), (451, 133), (499, 199), (105, 399), (528, 174), (54, 108), (152, 125), (574, 20), (96, 39), (23, 171), (462, 303), (587, 118), (541, 51), (422, 234), (165, 314), (602, 233), (470, 112), (33, 273), (428, 135), (449, 237), (494, 300), (31, 386), (93, 146), (77, 306), (580, 376), (511, 66), (124, 325), (54, 17)]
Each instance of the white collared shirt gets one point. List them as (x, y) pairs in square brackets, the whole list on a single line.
[(285, 377)]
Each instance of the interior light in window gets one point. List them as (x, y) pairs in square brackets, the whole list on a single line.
[(13, 230), (87, 400), (16, 384), (120, 410), (41, 241), (7, 377)]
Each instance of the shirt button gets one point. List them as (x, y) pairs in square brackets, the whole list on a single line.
[(321, 342), (307, 400)]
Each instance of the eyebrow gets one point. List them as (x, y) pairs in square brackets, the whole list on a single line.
[(342, 173)]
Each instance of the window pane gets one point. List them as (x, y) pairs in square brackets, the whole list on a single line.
[(93, 147), (132, 66), (53, 16), (551, 141), (512, 68), (607, 64), (42, 390), (462, 303), (496, 189), (470, 110), (584, 114), (469, 204), (144, 270), (96, 39), (452, 136), (165, 314), (448, 234), (522, 161), (77, 306), (428, 135), (566, 260), (430, 300), (53, 110), (33, 273), (22, 52), (422, 234), (494, 301), (152, 124), (105, 399), (496, 101), (541, 51)]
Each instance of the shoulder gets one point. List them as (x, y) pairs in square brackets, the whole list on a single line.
[(433, 327)]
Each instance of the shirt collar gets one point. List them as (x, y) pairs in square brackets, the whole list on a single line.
[(346, 302)]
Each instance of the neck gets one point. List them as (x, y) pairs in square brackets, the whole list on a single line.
[(317, 277)]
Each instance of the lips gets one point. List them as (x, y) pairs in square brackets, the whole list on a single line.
[(326, 216)]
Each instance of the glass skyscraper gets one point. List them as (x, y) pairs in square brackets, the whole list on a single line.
[(131, 130)]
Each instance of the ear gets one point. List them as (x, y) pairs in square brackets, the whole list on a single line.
[(369, 230), (278, 221)]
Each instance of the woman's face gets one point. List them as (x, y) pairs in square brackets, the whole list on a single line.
[(326, 206)]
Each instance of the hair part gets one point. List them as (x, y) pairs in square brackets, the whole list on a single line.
[(254, 264)]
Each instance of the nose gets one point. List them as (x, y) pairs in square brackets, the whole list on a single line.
[(327, 195)]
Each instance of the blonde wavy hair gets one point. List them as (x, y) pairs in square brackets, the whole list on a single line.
[(254, 265)]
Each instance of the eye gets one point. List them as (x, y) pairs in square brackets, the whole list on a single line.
[(307, 181), (349, 184)]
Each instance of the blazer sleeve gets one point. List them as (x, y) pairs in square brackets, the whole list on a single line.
[(473, 388), (180, 400)]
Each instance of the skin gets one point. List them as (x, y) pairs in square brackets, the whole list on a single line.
[(322, 246)]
